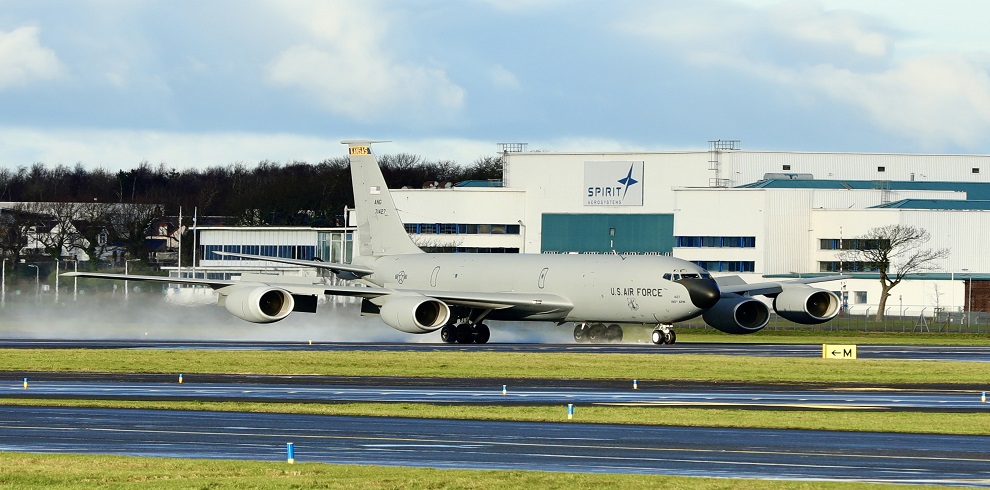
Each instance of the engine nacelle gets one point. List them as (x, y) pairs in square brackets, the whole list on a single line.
[(259, 304), (738, 315), (807, 305), (414, 313)]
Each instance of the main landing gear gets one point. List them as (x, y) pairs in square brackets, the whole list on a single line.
[(597, 333), (663, 334), (465, 333)]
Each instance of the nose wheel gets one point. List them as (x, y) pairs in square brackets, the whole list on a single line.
[(663, 335)]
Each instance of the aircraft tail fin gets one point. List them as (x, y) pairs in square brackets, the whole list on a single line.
[(379, 228)]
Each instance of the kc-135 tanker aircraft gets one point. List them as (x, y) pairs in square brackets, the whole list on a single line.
[(419, 292)]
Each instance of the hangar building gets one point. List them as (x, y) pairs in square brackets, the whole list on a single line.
[(782, 214)]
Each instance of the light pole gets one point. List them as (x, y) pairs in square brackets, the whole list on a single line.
[(56, 279), (969, 295), (969, 301), (37, 279), (3, 283), (126, 288)]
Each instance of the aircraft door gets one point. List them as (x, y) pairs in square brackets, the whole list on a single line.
[(543, 277)]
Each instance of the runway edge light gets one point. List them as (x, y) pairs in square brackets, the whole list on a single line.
[(570, 411), (983, 398), (180, 379), (505, 390), (635, 385), (290, 453), (25, 383)]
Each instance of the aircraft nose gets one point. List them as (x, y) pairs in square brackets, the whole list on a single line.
[(704, 292)]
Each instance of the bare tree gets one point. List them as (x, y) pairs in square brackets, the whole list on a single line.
[(894, 251)]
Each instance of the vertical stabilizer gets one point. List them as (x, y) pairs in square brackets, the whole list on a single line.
[(379, 228)]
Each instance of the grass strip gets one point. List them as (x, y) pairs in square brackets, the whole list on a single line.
[(20, 470), (503, 365), (835, 420)]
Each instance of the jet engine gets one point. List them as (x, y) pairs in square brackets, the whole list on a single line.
[(807, 305), (414, 313), (738, 315), (259, 304)]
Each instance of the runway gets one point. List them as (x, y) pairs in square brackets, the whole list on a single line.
[(567, 447), (488, 392), (893, 352)]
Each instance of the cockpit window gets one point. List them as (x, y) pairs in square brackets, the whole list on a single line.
[(691, 275), (666, 276)]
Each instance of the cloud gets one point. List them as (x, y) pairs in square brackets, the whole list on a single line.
[(344, 67), (938, 99), (23, 59), (819, 56), (125, 149), (503, 78)]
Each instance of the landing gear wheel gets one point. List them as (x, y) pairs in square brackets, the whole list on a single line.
[(448, 334), (658, 337), (613, 334), (581, 333), (596, 334), (671, 337), (465, 334), (482, 334)]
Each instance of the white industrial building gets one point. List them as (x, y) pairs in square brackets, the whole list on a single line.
[(752, 213)]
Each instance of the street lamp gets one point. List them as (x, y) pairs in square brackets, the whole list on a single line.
[(969, 307), (126, 288), (37, 279)]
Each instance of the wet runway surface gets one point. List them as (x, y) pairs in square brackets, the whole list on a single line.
[(568, 447), (490, 392), (899, 352)]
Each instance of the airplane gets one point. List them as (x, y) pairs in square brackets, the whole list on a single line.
[(418, 293)]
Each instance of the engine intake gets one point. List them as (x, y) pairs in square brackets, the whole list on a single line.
[(259, 304), (807, 305), (738, 315), (414, 313)]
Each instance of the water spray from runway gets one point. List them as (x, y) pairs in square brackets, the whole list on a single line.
[(147, 315)]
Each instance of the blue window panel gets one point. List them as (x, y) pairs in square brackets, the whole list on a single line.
[(251, 249), (208, 253), (285, 251), (306, 252)]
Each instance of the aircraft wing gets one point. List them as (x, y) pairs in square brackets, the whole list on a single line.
[(333, 266), (213, 283), (544, 303), (735, 284)]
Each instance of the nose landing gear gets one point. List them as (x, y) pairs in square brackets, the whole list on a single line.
[(663, 335)]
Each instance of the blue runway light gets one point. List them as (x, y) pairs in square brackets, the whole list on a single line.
[(570, 411), (290, 452)]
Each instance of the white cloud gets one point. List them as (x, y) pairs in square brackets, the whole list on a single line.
[(503, 78), (125, 149), (344, 67), (23, 59), (803, 49), (937, 99)]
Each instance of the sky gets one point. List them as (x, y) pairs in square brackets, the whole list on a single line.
[(193, 84)]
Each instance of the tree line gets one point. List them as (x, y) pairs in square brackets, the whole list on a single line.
[(269, 193), (59, 210)]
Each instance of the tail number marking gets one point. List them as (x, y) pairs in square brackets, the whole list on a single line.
[(360, 150)]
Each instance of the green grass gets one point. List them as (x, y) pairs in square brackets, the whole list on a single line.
[(20, 470), (501, 366)]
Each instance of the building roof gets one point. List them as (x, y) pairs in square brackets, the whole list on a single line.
[(945, 204), (975, 191)]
